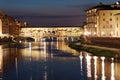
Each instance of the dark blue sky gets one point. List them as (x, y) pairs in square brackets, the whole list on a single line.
[(50, 12)]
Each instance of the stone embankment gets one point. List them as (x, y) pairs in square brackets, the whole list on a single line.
[(5, 40), (99, 46), (111, 42)]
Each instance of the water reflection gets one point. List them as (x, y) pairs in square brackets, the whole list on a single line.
[(103, 68), (99, 68), (16, 66), (112, 70), (95, 67), (88, 58), (1, 62), (45, 60), (83, 71), (38, 62)]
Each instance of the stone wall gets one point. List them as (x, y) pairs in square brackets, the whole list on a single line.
[(104, 41)]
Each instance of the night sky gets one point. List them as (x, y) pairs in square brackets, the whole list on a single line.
[(50, 12)]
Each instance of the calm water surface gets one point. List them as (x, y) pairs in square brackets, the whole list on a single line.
[(55, 61)]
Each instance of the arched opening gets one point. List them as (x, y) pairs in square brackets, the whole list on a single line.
[(53, 32), (29, 39)]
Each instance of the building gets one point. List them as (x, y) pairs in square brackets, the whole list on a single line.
[(4, 27), (117, 22), (101, 20), (51, 31), (9, 26)]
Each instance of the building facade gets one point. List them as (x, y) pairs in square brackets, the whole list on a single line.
[(117, 22), (4, 24), (9, 26), (101, 20)]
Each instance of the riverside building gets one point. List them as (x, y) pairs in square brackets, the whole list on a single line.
[(102, 20), (9, 26)]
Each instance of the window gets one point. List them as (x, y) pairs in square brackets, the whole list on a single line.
[(110, 14), (110, 19), (117, 18), (103, 19), (110, 26), (117, 33), (103, 26)]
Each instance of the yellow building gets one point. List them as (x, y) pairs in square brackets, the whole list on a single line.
[(117, 24), (101, 20), (0, 27)]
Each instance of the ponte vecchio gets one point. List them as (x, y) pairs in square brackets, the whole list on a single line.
[(60, 32)]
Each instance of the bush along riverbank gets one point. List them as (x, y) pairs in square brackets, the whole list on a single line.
[(95, 51)]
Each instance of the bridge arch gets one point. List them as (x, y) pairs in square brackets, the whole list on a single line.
[(60, 32)]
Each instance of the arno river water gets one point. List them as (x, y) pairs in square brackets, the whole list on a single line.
[(55, 61)]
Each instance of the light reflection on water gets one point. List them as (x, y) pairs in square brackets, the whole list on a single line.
[(88, 58), (1, 62), (39, 63), (112, 70), (103, 68), (95, 67), (100, 68)]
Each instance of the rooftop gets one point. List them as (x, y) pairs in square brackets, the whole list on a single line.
[(101, 6)]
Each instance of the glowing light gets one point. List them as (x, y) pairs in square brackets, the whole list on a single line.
[(95, 64), (1, 58), (111, 33), (0, 27), (20, 41), (94, 33), (87, 33), (45, 51), (103, 68), (30, 45), (102, 33), (88, 58), (16, 65), (112, 70), (81, 68), (45, 59), (80, 56), (117, 3)]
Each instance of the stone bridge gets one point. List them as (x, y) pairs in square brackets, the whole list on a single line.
[(60, 32)]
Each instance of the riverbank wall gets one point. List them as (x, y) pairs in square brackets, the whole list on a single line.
[(5, 40), (111, 42)]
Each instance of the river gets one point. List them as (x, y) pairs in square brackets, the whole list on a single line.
[(55, 61)]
